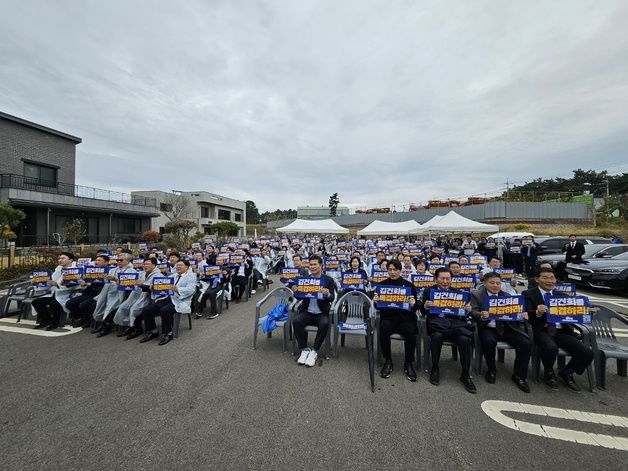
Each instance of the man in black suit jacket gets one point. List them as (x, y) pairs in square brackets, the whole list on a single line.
[(550, 337), (573, 250), (398, 321), (512, 332), (448, 328), (314, 312)]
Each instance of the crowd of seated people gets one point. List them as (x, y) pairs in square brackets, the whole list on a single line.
[(127, 291)]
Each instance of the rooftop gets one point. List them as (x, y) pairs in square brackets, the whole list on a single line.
[(39, 127)]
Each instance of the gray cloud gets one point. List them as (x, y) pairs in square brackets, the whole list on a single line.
[(287, 102)]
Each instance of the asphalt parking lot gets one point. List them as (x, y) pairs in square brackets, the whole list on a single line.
[(208, 400)]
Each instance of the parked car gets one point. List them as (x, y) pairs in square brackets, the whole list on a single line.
[(555, 244), (591, 251), (610, 273)]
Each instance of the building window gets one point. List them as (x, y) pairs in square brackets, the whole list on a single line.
[(238, 217), (224, 215), (165, 207), (204, 212), (40, 174)]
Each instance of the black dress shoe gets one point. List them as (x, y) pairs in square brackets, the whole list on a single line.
[(435, 377), (134, 333), (41, 326), (97, 328), (408, 369), (468, 384), (165, 339), (52, 327), (106, 330), (124, 332), (521, 383), (387, 368), (566, 377), (490, 376), (149, 336), (550, 380)]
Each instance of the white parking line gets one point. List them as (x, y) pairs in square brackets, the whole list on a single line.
[(25, 326), (495, 409)]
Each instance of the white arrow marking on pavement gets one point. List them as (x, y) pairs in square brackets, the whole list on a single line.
[(15, 328), (495, 409)]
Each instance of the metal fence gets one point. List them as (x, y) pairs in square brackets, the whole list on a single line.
[(21, 182)]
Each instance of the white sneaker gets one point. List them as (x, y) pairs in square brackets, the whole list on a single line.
[(311, 358), (253, 291), (303, 358)]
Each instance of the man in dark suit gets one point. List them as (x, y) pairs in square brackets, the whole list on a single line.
[(448, 328), (314, 312), (573, 250), (398, 321), (549, 337), (512, 332)]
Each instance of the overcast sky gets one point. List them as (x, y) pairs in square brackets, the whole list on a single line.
[(286, 102)]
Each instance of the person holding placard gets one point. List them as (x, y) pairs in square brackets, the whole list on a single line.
[(129, 312), (313, 311), (81, 306), (550, 336), (49, 307), (397, 316), (509, 330), (113, 294), (494, 266), (355, 278), (448, 324)]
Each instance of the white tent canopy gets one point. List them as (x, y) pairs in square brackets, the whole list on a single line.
[(320, 226), (454, 222), (378, 227)]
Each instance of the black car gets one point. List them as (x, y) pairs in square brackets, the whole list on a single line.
[(591, 251), (610, 273), (555, 244)]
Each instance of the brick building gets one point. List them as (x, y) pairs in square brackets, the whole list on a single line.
[(37, 175)]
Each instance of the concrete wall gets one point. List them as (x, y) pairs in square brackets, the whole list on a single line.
[(19, 142), (495, 211)]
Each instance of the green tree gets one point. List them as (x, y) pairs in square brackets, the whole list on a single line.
[(333, 204), (225, 228), (180, 231), (277, 215), (252, 213), (10, 217)]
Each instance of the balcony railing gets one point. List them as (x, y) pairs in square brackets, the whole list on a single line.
[(21, 182)]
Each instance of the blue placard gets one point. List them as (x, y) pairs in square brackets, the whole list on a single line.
[(309, 288), (505, 308), (432, 267), (566, 289), (72, 276), (128, 281), (506, 274), (515, 249), (422, 281), (353, 281), (446, 302), (288, 275), (40, 278), (210, 272), (393, 297), (568, 309), (96, 275), (378, 276), (478, 260), (162, 286), (469, 269), (463, 282)]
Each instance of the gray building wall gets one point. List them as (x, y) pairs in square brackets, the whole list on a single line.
[(21, 142), (198, 200), (495, 211)]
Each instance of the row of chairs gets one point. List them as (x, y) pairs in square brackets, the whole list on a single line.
[(354, 314)]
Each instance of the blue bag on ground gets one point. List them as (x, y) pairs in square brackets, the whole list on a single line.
[(277, 313)]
